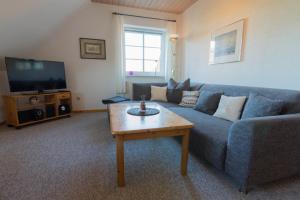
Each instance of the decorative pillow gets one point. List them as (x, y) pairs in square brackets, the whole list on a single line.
[(230, 108), (175, 90), (189, 98), (208, 102), (260, 106), (158, 93)]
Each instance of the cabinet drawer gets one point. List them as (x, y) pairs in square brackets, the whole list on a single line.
[(64, 96)]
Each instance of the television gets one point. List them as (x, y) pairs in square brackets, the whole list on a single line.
[(35, 75)]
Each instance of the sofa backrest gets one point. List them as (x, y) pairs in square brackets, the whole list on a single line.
[(139, 89), (196, 86), (290, 97)]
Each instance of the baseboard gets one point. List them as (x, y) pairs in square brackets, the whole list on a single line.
[(2, 123), (90, 110)]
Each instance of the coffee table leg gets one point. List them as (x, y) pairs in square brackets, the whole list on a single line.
[(185, 152), (120, 160)]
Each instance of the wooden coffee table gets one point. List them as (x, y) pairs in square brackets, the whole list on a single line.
[(128, 127)]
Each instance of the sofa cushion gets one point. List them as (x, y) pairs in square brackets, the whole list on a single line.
[(260, 106), (167, 104), (189, 98), (208, 102), (140, 89), (175, 89), (230, 108), (208, 139), (290, 97), (195, 86), (158, 93)]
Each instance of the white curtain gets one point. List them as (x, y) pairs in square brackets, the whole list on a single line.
[(170, 52), (118, 23)]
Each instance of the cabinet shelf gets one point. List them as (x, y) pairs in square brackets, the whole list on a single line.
[(29, 106), (17, 105), (45, 119)]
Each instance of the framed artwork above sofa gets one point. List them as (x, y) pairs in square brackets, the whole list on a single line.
[(226, 44)]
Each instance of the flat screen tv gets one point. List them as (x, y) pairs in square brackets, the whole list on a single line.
[(35, 75)]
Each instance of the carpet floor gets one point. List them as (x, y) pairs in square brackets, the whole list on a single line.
[(74, 159)]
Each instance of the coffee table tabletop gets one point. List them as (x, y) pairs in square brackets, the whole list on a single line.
[(124, 123), (128, 127)]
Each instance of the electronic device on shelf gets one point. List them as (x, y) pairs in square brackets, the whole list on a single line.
[(38, 114), (30, 115), (64, 109), (25, 116), (25, 75), (50, 111)]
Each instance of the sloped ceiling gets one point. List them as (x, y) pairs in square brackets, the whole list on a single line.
[(172, 6), (24, 24)]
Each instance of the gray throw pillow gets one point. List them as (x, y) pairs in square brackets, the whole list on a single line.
[(175, 89), (260, 106), (208, 102)]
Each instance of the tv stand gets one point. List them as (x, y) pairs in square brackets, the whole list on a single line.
[(20, 111), (44, 92), (41, 91)]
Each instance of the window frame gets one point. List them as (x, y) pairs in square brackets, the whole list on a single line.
[(146, 30)]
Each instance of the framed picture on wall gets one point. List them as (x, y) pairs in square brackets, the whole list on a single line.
[(92, 48), (226, 44)]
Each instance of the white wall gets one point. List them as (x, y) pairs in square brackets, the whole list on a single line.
[(89, 80), (24, 24), (272, 43)]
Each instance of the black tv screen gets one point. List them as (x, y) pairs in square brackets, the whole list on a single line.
[(31, 75)]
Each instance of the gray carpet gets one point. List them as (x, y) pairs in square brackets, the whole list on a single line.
[(74, 158)]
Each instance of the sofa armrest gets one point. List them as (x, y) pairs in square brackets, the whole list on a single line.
[(264, 149), (139, 89)]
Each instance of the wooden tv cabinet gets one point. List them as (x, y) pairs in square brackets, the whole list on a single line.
[(15, 104)]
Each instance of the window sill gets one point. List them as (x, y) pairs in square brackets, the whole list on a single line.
[(144, 74), (154, 76)]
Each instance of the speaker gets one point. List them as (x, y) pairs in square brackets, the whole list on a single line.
[(50, 111), (38, 114), (64, 109), (25, 116)]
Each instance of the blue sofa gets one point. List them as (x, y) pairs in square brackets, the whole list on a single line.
[(253, 151)]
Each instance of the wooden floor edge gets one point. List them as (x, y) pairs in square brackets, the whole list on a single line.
[(89, 110)]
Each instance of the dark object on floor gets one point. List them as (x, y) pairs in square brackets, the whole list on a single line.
[(147, 112), (116, 99)]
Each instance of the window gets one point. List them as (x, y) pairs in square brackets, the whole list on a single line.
[(144, 52)]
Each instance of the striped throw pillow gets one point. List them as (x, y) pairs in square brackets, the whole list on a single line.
[(189, 98)]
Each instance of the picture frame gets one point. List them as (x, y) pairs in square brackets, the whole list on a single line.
[(226, 44), (92, 48)]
